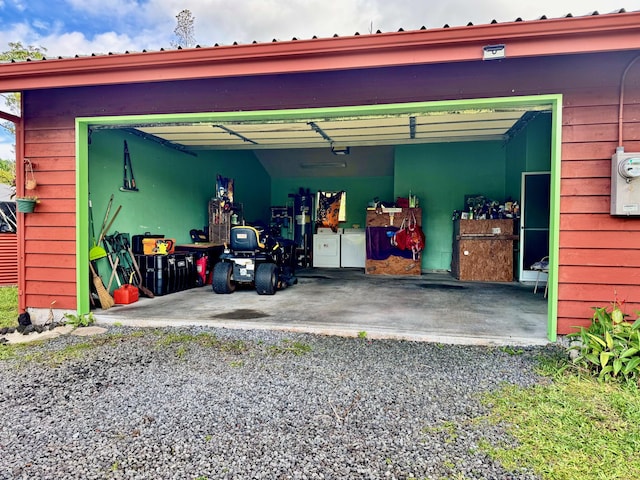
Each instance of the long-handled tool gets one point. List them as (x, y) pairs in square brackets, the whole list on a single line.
[(106, 215), (128, 267), (106, 300), (108, 226), (96, 251), (129, 182), (114, 273), (92, 254), (143, 290)]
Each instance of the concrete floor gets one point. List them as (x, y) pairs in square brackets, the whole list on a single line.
[(434, 307)]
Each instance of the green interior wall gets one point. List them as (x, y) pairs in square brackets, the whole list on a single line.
[(528, 151), (516, 155), (360, 191), (539, 143), (441, 174), (174, 188)]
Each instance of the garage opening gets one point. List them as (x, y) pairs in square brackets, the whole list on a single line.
[(439, 154)]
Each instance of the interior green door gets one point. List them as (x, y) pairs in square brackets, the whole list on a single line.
[(534, 221)]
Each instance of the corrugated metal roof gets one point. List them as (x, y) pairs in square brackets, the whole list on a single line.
[(314, 37), (615, 32)]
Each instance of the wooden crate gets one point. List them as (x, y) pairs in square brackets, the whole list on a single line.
[(480, 253)]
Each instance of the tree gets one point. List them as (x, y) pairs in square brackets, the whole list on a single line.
[(184, 31), (11, 101), (7, 172), (17, 51)]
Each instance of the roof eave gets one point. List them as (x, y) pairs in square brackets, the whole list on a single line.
[(598, 33)]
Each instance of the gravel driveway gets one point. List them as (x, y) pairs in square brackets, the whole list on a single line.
[(176, 404)]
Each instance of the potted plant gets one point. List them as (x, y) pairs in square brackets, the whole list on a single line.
[(26, 204)]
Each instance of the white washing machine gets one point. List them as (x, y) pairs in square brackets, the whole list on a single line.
[(353, 248), (326, 250)]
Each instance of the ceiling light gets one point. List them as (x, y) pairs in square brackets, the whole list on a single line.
[(340, 150), (324, 165)]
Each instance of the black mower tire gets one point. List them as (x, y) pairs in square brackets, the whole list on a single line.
[(222, 282), (266, 279)]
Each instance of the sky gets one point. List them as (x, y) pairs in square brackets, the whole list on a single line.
[(83, 27)]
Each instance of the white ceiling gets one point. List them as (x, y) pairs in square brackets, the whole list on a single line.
[(345, 131), (304, 147)]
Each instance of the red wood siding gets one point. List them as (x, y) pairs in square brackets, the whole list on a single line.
[(8, 259), (599, 257), (49, 233), (593, 245)]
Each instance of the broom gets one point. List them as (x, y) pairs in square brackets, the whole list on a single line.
[(106, 300)]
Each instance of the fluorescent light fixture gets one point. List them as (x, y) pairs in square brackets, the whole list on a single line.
[(324, 165), (339, 150)]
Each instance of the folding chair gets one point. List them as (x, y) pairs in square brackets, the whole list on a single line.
[(541, 266)]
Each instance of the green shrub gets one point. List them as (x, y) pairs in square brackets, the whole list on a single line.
[(79, 320), (610, 346)]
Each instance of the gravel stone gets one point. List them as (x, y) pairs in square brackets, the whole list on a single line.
[(254, 406)]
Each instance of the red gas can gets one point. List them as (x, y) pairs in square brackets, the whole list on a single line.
[(126, 294), (202, 267)]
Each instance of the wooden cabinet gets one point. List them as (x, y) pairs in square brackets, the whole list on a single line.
[(483, 250), (392, 264)]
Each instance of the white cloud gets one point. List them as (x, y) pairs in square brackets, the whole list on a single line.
[(115, 8), (7, 150), (69, 44)]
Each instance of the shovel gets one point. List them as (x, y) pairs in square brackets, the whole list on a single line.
[(100, 250), (96, 251)]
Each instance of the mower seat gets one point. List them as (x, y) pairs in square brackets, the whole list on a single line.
[(245, 239)]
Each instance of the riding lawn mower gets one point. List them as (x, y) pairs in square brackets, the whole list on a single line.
[(255, 258)]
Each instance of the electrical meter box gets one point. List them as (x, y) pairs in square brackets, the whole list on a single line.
[(625, 184)]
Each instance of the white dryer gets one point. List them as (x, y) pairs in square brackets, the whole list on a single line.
[(326, 250), (353, 248)]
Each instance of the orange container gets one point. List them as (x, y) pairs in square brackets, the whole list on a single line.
[(126, 294), (158, 246)]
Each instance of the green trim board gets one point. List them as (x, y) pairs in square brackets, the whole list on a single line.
[(82, 218), (554, 221), (552, 101)]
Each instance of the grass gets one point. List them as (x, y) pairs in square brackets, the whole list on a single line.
[(29, 352), (295, 348), (8, 307), (572, 427), (178, 343)]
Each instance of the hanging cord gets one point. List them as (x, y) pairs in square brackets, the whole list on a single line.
[(30, 180), (621, 104)]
